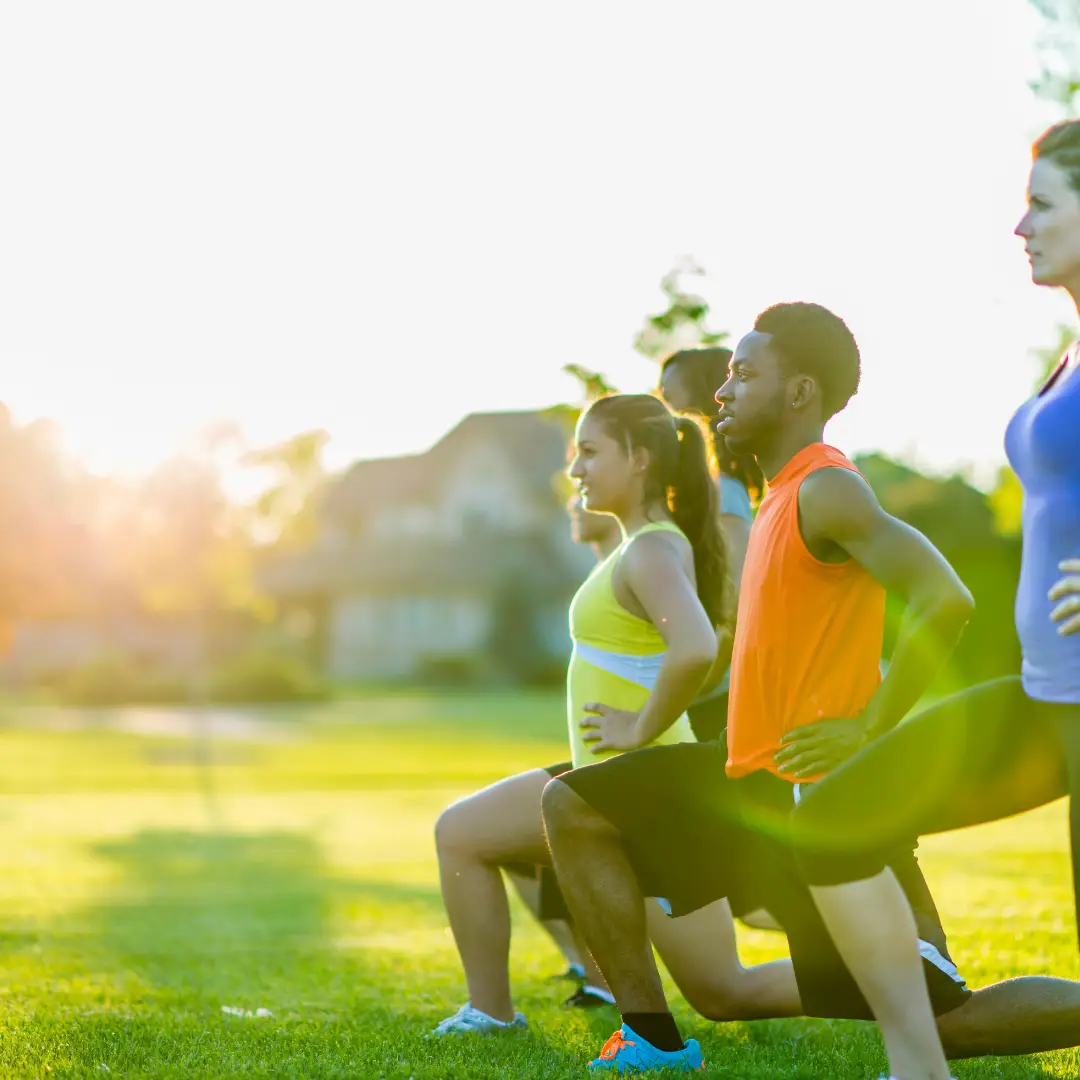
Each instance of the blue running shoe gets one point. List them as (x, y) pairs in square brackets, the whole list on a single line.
[(470, 1021), (627, 1052)]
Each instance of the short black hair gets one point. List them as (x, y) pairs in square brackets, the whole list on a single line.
[(811, 340)]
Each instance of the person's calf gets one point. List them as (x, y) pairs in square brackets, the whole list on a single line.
[(475, 900), (1029, 1015), (720, 1003), (604, 897)]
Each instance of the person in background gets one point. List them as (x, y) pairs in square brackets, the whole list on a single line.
[(689, 380)]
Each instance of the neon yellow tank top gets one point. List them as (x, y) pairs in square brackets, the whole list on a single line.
[(616, 656)]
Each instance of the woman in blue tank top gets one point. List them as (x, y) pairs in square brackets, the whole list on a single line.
[(994, 750)]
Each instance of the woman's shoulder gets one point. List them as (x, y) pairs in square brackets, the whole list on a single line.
[(660, 541)]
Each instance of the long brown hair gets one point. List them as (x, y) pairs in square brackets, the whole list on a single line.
[(678, 474)]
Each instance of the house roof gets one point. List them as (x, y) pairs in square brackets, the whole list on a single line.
[(534, 444)]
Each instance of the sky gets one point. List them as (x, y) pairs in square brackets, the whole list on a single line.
[(376, 218)]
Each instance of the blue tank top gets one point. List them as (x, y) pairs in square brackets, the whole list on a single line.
[(734, 500), (1043, 445)]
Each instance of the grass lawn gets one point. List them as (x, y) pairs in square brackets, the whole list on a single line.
[(141, 891)]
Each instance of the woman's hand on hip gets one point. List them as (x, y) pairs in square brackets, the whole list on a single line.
[(608, 729), (1067, 590)]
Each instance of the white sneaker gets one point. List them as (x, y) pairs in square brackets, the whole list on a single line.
[(469, 1020)]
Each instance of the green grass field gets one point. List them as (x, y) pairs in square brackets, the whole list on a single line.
[(142, 890)]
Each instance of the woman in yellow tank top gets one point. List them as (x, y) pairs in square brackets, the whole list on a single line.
[(617, 654), (644, 642)]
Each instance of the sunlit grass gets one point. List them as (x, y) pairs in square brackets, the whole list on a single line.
[(148, 881)]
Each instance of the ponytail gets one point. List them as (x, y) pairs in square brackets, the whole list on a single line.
[(680, 476), (693, 501)]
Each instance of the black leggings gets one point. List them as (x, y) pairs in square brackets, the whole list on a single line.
[(978, 756)]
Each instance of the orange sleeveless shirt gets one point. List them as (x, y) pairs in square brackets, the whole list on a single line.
[(809, 634)]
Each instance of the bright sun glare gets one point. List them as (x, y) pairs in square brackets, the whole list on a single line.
[(342, 248)]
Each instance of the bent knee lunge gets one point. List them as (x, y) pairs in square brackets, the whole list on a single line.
[(499, 823), (449, 833), (564, 811), (558, 807)]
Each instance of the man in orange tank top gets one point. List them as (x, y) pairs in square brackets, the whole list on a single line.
[(696, 822)]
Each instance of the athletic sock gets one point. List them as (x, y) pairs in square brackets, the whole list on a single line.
[(659, 1028)]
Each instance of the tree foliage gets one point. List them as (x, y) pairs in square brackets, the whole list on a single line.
[(1058, 81), (286, 513), (684, 323)]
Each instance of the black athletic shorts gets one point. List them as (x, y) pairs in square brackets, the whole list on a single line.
[(695, 835), (552, 905), (708, 718)]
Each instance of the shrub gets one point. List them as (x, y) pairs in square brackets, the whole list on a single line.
[(263, 677), (450, 671), (119, 680)]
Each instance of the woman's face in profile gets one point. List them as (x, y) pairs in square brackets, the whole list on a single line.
[(1051, 226)]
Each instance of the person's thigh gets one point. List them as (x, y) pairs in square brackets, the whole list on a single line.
[(499, 824), (978, 756), (680, 820)]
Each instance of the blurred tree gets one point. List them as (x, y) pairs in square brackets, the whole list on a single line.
[(286, 513), (1059, 53), (45, 562), (961, 522), (1007, 503), (684, 323), (593, 385), (188, 543)]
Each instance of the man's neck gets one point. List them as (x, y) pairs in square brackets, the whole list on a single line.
[(786, 446)]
